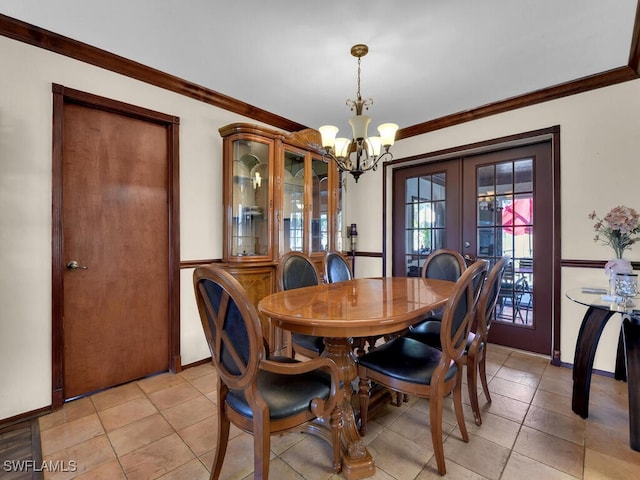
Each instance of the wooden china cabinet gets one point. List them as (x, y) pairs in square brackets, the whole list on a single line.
[(278, 195)]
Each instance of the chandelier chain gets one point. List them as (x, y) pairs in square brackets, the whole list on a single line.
[(358, 93)]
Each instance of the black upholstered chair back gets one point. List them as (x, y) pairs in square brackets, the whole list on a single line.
[(336, 268), (460, 310), (231, 326), (489, 296), (296, 270), (444, 264)]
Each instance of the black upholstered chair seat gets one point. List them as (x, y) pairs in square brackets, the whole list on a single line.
[(284, 398), (429, 332), (308, 342), (406, 359)]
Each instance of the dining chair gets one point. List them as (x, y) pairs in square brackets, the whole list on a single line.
[(444, 264), (336, 268), (259, 395), (474, 355), (407, 365), (296, 270)]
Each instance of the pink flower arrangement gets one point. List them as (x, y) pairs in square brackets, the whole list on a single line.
[(617, 228)]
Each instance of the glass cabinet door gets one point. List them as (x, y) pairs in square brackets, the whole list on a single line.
[(250, 229), (319, 206), (293, 219)]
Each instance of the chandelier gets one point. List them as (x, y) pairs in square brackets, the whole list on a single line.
[(360, 153)]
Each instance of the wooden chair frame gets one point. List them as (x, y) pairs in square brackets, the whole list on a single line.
[(247, 361), (453, 345)]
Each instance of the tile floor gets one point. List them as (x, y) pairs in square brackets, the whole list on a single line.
[(164, 427)]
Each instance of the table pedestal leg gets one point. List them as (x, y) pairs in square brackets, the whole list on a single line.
[(356, 460), (631, 334), (593, 323)]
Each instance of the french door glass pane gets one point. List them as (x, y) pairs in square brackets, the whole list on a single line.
[(424, 219), (504, 200)]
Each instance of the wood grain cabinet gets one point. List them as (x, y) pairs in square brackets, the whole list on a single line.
[(278, 195)]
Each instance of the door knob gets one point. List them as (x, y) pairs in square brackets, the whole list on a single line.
[(467, 244), (74, 265)]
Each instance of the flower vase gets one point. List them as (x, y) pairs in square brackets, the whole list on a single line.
[(613, 268)]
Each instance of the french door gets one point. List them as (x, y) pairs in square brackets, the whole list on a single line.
[(486, 206)]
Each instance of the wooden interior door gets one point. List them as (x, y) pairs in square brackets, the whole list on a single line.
[(118, 267)]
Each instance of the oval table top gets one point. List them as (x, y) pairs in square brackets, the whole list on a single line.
[(358, 307)]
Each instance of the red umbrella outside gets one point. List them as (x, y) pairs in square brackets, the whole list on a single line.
[(517, 218)]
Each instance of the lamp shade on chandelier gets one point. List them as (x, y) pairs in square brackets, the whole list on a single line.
[(360, 153)]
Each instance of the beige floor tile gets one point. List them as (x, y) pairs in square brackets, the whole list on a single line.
[(454, 472), (86, 456), (519, 376), (553, 451), (281, 470), (598, 466), (198, 371), (120, 415), (398, 456), (165, 427), (160, 382), (116, 396), (478, 455), (205, 383), (201, 436), (69, 412), (571, 428), (557, 385), (173, 395), (312, 457), (448, 411), (561, 372), (517, 391), (238, 461), (193, 470), (140, 433), (284, 441), (527, 362), (68, 434), (609, 416), (414, 425), (189, 412), (110, 470), (520, 467), (613, 442), (504, 406), (496, 429), (553, 401), (157, 458)]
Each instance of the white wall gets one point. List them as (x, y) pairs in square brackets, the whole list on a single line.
[(599, 169), (599, 141), (25, 206)]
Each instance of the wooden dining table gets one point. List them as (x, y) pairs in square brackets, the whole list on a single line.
[(362, 307)]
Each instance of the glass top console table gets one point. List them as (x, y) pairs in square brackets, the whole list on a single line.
[(599, 311)]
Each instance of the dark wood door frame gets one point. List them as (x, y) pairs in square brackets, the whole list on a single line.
[(552, 133), (62, 95)]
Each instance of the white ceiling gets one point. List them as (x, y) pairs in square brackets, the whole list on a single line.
[(427, 58)]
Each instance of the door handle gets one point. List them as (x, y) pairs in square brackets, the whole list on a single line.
[(74, 265), (467, 244)]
